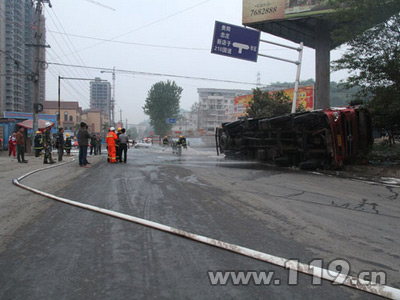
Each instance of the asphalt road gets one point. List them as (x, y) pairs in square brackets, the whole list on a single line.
[(70, 253)]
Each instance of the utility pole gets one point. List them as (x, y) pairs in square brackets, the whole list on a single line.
[(113, 98), (112, 104), (120, 117), (36, 77)]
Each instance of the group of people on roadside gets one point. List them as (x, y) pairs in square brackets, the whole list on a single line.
[(117, 145), (60, 143), (43, 142)]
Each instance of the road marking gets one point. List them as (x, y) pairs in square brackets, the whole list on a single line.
[(329, 275)]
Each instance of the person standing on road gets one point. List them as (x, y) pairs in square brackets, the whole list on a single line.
[(98, 144), (47, 144), (21, 146), (38, 144), (93, 145), (68, 144), (182, 141), (60, 143), (117, 147), (111, 139), (83, 142), (165, 141), (12, 142), (123, 144)]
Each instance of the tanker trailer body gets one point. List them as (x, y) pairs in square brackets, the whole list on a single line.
[(318, 139)]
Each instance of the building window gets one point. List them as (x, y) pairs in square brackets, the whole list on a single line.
[(71, 118), (65, 116)]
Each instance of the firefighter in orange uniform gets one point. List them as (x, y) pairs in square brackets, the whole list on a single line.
[(110, 140)]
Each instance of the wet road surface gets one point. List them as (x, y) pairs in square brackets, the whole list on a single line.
[(70, 253)]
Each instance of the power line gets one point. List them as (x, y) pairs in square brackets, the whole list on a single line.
[(69, 47), (144, 26), (83, 87), (154, 74), (69, 40), (74, 90), (99, 4), (128, 43), (139, 44)]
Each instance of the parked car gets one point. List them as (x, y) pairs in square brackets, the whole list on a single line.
[(142, 145)]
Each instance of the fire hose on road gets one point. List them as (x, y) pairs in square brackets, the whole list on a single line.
[(329, 275)]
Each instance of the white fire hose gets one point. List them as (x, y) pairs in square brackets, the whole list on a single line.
[(329, 275)]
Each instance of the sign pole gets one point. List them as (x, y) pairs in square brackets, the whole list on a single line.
[(296, 86), (298, 63), (58, 125)]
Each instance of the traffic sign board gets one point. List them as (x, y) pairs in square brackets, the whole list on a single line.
[(170, 120), (235, 41)]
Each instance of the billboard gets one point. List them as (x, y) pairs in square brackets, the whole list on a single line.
[(255, 11), (28, 116), (305, 98)]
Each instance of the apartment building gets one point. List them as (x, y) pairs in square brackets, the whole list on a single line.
[(216, 107), (100, 96), (17, 40)]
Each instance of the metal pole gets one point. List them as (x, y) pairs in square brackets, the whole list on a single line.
[(36, 72), (278, 58), (296, 86), (298, 63), (281, 45), (59, 102), (113, 98)]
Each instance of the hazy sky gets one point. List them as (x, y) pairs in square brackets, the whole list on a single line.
[(166, 37)]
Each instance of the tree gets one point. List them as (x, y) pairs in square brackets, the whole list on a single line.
[(267, 105), (162, 102), (194, 109), (132, 133), (373, 62), (357, 16)]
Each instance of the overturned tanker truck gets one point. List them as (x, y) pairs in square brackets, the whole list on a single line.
[(325, 139)]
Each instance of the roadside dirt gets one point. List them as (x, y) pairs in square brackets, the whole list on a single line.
[(19, 207)]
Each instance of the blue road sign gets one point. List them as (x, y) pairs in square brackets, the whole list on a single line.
[(235, 41), (170, 120)]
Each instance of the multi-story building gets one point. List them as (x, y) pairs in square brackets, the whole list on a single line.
[(17, 49), (100, 96), (216, 107), (71, 113), (97, 121)]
